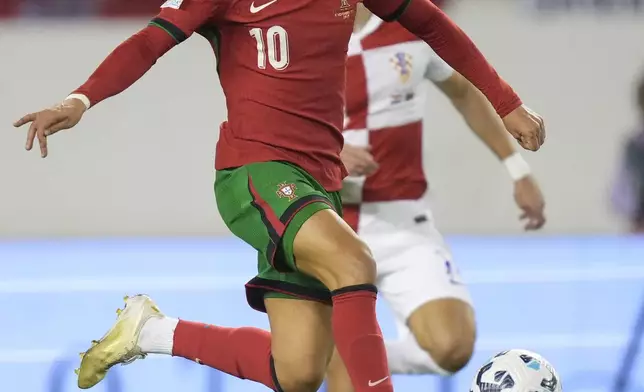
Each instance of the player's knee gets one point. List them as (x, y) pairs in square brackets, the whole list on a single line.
[(299, 376), (356, 266), (451, 351), (445, 329)]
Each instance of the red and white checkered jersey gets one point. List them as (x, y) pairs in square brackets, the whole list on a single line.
[(385, 106)]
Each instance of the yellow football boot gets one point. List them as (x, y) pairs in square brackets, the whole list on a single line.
[(119, 345)]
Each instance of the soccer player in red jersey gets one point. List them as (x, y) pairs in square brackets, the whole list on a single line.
[(282, 68)]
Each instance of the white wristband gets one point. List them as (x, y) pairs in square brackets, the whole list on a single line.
[(81, 98), (516, 166)]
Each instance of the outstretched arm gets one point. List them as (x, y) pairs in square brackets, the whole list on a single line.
[(125, 65), (134, 57), (484, 122), (122, 68), (429, 23)]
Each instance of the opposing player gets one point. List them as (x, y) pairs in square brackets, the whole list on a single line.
[(384, 194), (282, 68)]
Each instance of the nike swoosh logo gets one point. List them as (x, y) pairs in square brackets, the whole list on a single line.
[(254, 10), (373, 384)]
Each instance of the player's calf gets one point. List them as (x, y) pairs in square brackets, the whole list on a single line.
[(337, 378)]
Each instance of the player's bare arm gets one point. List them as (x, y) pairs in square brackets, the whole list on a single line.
[(121, 69), (484, 122), (429, 23)]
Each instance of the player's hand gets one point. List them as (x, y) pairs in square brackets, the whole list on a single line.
[(358, 160), (49, 121), (527, 127), (530, 200)]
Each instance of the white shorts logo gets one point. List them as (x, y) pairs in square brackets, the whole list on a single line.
[(172, 4)]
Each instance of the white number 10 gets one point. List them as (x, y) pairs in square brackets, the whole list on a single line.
[(277, 42)]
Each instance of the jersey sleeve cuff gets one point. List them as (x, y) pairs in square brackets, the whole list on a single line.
[(509, 107)]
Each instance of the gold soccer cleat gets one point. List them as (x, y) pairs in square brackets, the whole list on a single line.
[(119, 345)]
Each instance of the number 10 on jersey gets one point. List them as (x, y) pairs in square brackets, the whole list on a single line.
[(275, 47)]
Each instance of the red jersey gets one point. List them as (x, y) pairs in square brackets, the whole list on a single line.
[(282, 68)]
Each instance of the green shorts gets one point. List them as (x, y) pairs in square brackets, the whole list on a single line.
[(265, 204)]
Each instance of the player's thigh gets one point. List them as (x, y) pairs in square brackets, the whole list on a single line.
[(425, 291), (327, 248), (301, 342)]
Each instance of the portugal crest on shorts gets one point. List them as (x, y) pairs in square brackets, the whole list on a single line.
[(286, 190)]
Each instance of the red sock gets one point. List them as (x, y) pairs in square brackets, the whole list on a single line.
[(359, 339), (240, 352)]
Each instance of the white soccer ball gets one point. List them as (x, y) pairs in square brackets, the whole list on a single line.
[(516, 371)]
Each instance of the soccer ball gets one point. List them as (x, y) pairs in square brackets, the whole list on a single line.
[(516, 371)]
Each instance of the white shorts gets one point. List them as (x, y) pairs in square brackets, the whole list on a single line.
[(414, 264)]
